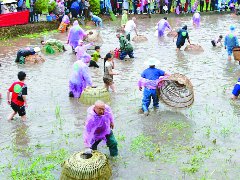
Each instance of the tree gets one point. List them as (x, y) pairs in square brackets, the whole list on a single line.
[(45, 6)]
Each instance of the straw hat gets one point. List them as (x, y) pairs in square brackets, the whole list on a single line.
[(152, 62), (37, 49)]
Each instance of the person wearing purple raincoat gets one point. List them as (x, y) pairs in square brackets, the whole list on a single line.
[(196, 19), (98, 127), (80, 79), (162, 24), (76, 33), (81, 51)]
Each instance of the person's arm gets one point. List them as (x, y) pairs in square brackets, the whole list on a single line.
[(88, 132), (111, 118), (188, 40), (175, 36), (8, 97), (25, 100), (234, 97), (225, 42), (236, 41)]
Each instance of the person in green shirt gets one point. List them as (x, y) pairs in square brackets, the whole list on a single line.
[(125, 47), (95, 57)]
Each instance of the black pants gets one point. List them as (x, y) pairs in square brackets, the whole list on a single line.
[(74, 13), (134, 8), (128, 37), (201, 6), (207, 4), (169, 7), (212, 6), (93, 64)]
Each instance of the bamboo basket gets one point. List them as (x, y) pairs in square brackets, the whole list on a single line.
[(35, 59), (194, 48), (91, 95), (93, 36), (80, 167), (236, 53), (139, 38), (177, 91), (172, 34)]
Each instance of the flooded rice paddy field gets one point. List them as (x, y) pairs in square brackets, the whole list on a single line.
[(200, 142)]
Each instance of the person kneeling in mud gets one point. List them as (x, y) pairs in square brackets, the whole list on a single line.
[(22, 53), (125, 47), (52, 44)]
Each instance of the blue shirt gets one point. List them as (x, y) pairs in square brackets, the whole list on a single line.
[(75, 5), (96, 18), (182, 35), (152, 73), (236, 89), (231, 40)]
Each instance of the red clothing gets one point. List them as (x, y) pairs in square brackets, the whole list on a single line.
[(15, 95)]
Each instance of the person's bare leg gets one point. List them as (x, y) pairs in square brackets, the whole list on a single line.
[(113, 88), (24, 118), (10, 117), (229, 58), (106, 86)]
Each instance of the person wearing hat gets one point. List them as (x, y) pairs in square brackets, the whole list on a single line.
[(181, 35), (22, 53), (149, 80), (230, 41), (81, 51), (236, 90), (125, 47)]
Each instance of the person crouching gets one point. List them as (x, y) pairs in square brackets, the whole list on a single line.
[(125, 47)]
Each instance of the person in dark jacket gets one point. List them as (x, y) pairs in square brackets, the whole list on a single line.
[(182, 35)]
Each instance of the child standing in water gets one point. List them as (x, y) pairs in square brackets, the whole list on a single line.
[(108, 73), (18, 100), (217, 42), (95, 56)]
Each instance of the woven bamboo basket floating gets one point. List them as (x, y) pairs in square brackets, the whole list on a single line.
[(236, 53), (91, 95), (93, 36), (139, 38), (80, 167), (177, 91), (172, 34), (34, 59), (194, 48)]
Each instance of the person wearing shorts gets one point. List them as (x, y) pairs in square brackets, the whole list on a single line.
[(108, 73), (18, 102), (182, 35)]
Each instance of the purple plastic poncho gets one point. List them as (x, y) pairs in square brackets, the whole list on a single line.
[(97, 127), (162, 24), (65, 19), (76, 33), (195, 5), (80, 78), (196, 19), (151, 84), (81, 51)]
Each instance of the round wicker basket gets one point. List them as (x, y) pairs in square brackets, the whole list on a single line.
[(236, 53), (177, 91), (93, 36), (91, 95), (34, 59), (194, 48), (172, 34), (78, 167), (139, 38)]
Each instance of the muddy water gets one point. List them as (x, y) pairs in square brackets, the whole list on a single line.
[(199, 142)]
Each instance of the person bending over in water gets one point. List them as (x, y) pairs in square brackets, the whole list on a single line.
[(182, 35), (217, 42), (236, 90)]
